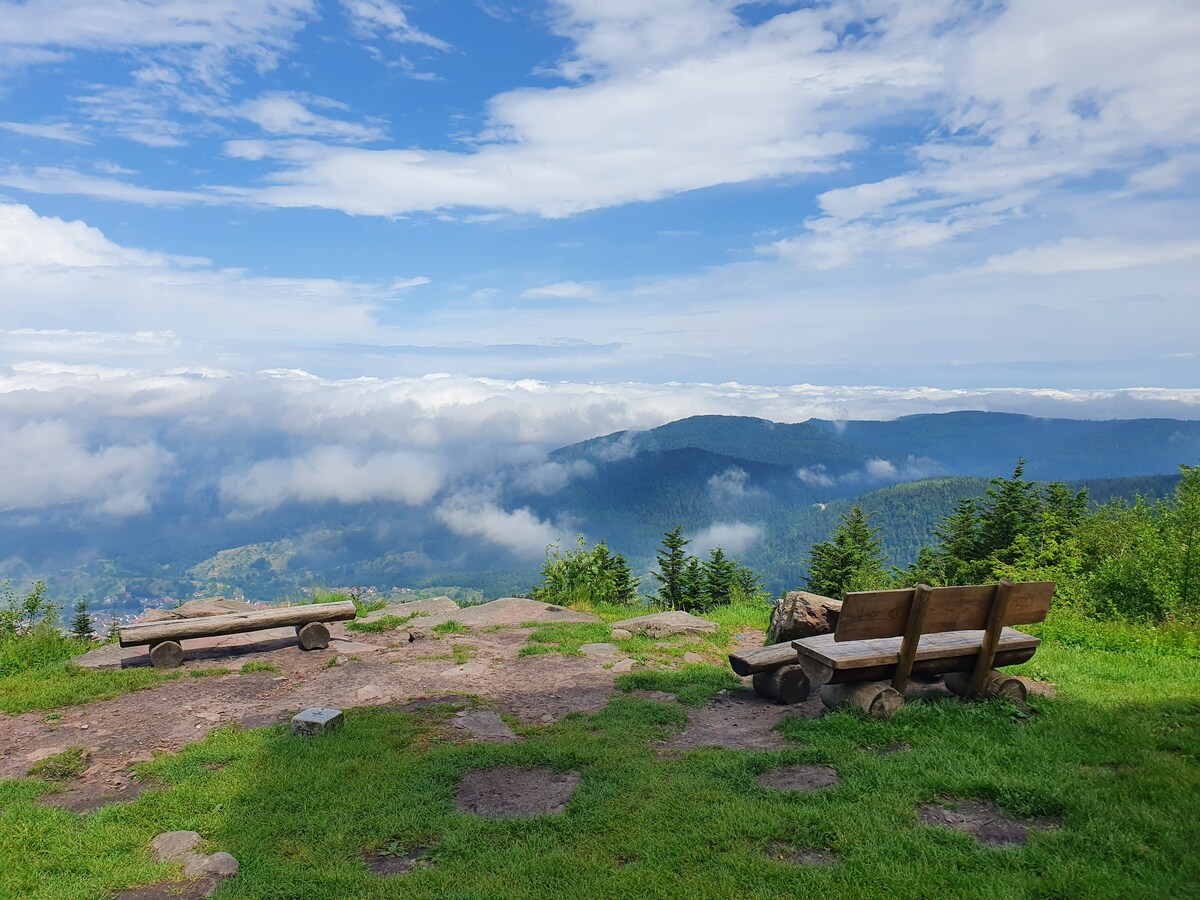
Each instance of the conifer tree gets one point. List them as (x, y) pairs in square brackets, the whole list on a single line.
[(719, 573), (81, 624), (695, 598), (625, 586), (851, 560), (671, 564)]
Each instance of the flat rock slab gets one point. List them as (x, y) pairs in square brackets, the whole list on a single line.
[(510, 792), (602, 652), (510, 611), (983, 820), (800, 778), (736, 721), (317, 720), (434, 606), (666, 624), (486, 726), (171, 890)]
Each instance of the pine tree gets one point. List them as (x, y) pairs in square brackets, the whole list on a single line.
[(719, 573), (671, 563), (851, 560), (1010, 509), (625, 586), (695, 597), (81, 625)]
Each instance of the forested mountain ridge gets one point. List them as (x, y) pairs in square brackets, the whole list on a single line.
[(764, 491)]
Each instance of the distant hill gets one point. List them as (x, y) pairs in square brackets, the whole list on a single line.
[(763, 490)]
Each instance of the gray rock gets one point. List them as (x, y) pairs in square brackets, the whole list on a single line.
[(624, 665), (317, 720), (691, 657), (219, 864), (665, 624), (368, 693), (486, 726), (174, 845), (801, 615), (603, 652), (620, 634)]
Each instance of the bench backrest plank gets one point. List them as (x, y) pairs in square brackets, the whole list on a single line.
[(882, 614)]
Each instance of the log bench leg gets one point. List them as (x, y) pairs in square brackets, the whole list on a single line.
[(313, 636), (995, 684), (786, 684), (877, 699), (166, 655)]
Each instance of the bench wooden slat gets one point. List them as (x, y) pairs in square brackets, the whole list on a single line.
[(234, 623), (886, 651), (884, 614)]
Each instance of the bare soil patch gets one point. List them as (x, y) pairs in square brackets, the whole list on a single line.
[(739, 720), (805, 856), (89, 796), (171, 890), (390, 862), (983, 820), (512, 792), (800, 778)]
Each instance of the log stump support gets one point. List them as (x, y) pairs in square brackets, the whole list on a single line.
[(995, 684), (876, 698), (786, 684), (166, 655), (313, 636)]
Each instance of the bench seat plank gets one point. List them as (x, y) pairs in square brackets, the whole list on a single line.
[(886, 651)]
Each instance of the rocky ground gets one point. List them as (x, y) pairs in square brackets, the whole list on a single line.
[(390, 668)]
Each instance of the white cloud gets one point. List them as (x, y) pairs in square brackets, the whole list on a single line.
[(47, 462), (1090, 255), (815, 476), (552, 477), (334, 473), (732, 537), (568, 290), (731, 485), (519, 531), (283, 113), (385, 18), (56, 132)]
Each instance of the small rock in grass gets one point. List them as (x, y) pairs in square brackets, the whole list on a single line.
[(620, 634), (174, 845), (624, 665), (666, 624), (220, 864), (691, 657), (317, 720)]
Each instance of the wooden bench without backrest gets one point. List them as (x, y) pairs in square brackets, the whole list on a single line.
[(932, 631), (164, 637)]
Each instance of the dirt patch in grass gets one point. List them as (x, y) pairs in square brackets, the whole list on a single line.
[(395, 860), (93, 795), (804, 856), (738, 720), (800, 778), (983, 820), (511, 792), (171, 890), (60, 766)]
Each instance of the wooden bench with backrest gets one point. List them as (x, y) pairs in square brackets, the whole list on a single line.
[(164, 638), (895, 634)]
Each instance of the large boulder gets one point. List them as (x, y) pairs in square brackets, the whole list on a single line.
[(800, 615)]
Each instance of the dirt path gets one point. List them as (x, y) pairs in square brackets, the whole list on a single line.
[(382, 669)]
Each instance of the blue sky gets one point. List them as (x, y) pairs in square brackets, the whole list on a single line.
[(367, 228)]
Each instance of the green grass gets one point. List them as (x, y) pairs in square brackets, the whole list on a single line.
[(60, 766), (254, 667), (383, 623), (35, 673), (210, 672), (692, 685), (1115, 757), (450, 626)]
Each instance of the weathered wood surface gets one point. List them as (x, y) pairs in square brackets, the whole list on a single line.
[(762, 659), (235, 623), (912, 636), (874, 698), (787, 684), (313, 636), (166, 655), (991, 635), (884, 614), (995, 684), (827, 662)]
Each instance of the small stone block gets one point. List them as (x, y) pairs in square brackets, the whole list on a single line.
[(317, 720)]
